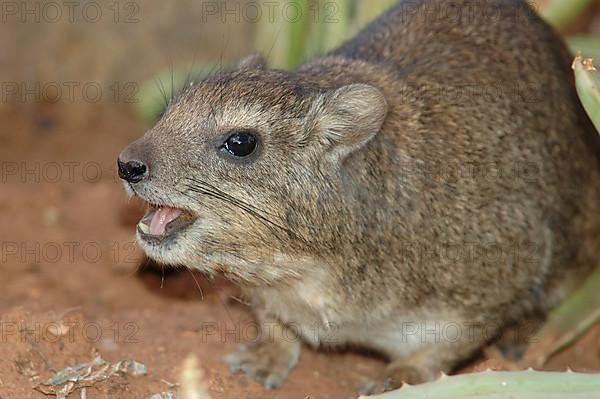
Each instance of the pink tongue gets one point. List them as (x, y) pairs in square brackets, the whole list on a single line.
[(161, 218)]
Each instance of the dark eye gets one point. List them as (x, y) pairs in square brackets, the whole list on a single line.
[(240, 144)]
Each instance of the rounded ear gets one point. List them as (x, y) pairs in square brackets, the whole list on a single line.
[(349, 117), (254, 61)]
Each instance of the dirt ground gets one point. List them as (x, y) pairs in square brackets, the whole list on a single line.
[(71, 286)]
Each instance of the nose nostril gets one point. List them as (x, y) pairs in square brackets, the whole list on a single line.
[(132, 171), (122, 169), (136, 168)]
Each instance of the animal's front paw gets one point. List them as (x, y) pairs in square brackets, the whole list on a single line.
[(269, 363)]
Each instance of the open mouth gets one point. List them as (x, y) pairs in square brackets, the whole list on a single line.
[(161, 222)]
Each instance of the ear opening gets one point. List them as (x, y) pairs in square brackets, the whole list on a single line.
[(350, 117)]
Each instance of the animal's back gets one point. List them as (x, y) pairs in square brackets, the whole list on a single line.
[(498, 106)]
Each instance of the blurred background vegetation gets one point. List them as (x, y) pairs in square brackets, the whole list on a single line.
[(160, 37)]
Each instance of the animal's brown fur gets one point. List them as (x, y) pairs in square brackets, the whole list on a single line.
[(430, 170)]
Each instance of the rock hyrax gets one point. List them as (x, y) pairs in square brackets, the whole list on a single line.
[(433, 176)]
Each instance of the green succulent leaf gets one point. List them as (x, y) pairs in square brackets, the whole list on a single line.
[(502, 385), (587, 81)]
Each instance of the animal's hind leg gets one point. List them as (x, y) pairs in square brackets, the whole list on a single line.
[(425, 365)]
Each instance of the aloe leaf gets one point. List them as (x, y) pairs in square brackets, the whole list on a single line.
[(566, 323), (587, 81), (502, 385)]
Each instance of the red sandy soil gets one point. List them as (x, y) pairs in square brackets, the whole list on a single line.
[(114, 311)]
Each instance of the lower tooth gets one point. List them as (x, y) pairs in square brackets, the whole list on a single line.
[(144, 228)]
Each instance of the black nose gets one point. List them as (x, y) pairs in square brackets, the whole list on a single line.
[(132, 171)]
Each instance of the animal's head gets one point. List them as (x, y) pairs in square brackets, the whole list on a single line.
[(242, 173)]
